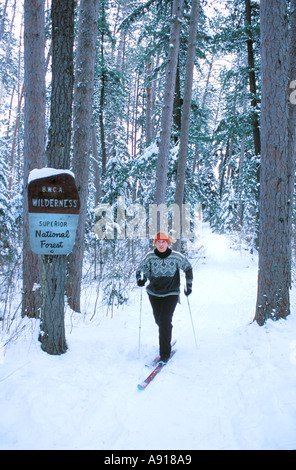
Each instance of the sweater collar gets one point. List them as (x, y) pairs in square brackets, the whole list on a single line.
[(163, 255)]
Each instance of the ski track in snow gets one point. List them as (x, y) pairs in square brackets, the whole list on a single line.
[(236, 390)]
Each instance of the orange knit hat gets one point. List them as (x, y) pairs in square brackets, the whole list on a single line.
[(165, 237)]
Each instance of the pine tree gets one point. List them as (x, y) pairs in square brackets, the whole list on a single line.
[(273, 298), (52, 337), (83, 94), (168, 101), (34, 141), (184, 137)]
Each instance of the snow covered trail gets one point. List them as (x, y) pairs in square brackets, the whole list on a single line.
[(236, 390)]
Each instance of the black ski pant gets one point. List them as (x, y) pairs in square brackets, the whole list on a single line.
[(163, 310)]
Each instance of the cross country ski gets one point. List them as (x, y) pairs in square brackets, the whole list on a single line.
[(157, 358), (154, 373)]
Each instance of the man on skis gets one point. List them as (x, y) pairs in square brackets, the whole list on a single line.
[(162, 268)]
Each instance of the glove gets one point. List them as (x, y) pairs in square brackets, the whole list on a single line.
[(141, 282), (187, 291)]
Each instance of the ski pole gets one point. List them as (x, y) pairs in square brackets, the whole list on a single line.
[(140, 319), (193, 329)]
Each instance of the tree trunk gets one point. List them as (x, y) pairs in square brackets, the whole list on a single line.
[(168, 100), (59, 138), (4, 73), (254, 104), (185, 125), (83, 95), (14, 140), (149, 105), (177, 107), (240, 209), (96, 166), (273, 296), (34, 141), (291, 157), (4, 8), (135, 116), (102, 126), (252, 79), (52, 336)]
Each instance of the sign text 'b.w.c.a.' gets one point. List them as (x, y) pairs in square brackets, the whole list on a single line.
[(54, 206)]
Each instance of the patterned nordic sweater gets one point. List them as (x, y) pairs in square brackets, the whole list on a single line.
[(163, 272)]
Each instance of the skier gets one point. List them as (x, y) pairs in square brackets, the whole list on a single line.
[(162, 268)]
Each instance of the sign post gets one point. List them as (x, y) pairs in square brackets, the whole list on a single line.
[(54, 206)]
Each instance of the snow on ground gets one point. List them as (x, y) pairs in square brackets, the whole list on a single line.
[(236, 390)]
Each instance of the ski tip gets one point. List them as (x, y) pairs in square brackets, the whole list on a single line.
[(141, 387)]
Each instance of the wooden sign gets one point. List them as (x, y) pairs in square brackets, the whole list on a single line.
[(54, 206)]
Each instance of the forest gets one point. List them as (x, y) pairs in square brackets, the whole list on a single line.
[(188, 103)]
